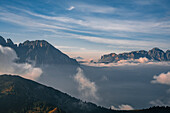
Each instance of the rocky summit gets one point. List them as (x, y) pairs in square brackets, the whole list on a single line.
[(39, 51), (155, 54)]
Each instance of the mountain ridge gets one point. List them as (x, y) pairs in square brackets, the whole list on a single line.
[(153, 54), (39, 51)]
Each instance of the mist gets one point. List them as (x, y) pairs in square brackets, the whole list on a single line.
[(128, 62), (86, 88), (8, 65), (113, 86)]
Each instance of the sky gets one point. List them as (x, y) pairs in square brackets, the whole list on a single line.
[(88, 28)]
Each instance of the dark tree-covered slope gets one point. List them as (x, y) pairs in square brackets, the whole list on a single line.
[(19, 95)]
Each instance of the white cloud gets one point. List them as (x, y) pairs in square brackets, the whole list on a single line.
[(104, 24), (86, 87), (8, 66), (143, 60), (122, 107), (111, 24), (129, 62), (140, 60), (91, 25), (69, 47), (123, 42), (71, 8), (163, 78)]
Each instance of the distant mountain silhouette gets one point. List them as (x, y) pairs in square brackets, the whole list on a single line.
[(153, 54), (39, 51), (19, 95)]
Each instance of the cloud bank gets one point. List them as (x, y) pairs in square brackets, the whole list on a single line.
[(86, 87), (129, 62), (163, 78), (140, 60), (122, 107), (8, 66)]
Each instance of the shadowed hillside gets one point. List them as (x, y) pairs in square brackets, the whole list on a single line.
[(23, 96)]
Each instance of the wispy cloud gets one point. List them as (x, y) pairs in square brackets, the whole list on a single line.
[(153, 27), (70, 48), (71, 8), (87, 8), (99, 30), (120, 41), (61, 30)]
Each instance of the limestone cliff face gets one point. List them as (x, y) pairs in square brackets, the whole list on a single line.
[(153, 54), (39, 51)]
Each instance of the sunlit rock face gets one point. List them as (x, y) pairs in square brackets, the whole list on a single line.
[(157, 54), (40, 51), (153, 54)]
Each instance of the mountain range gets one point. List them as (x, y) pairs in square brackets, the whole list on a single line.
[(43, 53), (19, 95), (154, 54), (39, 51)]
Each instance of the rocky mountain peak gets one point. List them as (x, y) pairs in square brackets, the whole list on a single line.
[(156, 49), (39, 51), (2, 41), (154, 54), (37, 43), (157, 54), (9, 42), (113, 54)]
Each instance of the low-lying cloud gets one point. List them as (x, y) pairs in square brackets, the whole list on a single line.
[(129, 62), (134, 61), (161, 102), (122, 107), (86, 87), (163, 78), (8, 66)]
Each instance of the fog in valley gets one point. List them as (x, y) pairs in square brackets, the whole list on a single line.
[(114, 86)]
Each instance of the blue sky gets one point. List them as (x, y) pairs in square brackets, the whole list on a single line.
[(88, 28)]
